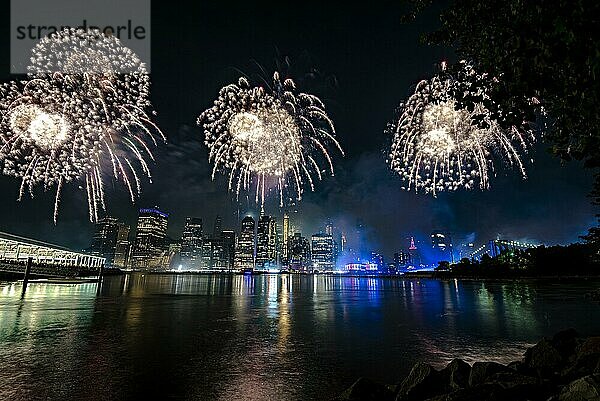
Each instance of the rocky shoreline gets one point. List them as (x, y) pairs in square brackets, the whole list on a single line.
[(565, 367)]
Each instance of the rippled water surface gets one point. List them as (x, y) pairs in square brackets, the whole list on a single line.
[(265, 337)]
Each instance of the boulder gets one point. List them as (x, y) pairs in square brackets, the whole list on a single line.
[(456, 374), (583, 389), (543, 359), (587, 359), (482, 371), (566, 342), (488, 392), (422, 382), (366, 390)]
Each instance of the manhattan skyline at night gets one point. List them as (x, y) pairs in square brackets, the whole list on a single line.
[(550, 206)]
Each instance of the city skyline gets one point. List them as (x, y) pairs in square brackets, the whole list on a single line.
[(266, 245), (550, 206)]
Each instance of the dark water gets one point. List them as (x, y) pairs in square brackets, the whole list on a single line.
[(263, 337)]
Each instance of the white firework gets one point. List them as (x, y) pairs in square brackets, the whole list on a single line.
[(268, 139), (449, 136), (81, 114)]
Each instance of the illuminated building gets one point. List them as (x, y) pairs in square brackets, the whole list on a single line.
[(322, 252), (401, 259), (104, 240), (300, 257), (329, 228), (244, 251), (16, 250), (441, 243), (150, 250), (361, 267), (266, 242), (285, 239), (228, 249), (217, 227), (413, 253), (191, 243), (377, 260), (123, 247)]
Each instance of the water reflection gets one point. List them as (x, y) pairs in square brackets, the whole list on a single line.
[(225, 337)]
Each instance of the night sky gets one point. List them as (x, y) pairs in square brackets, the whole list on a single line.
[(367, 62)]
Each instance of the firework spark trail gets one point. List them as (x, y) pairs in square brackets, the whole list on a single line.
[(268, 139), (440, 144), (82, 111)]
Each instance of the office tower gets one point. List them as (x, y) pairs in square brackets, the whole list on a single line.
[(329, 228), (104, 241), (441, 243), (285, 239), (401, 259), (266, 242), (228, 249), (218, 227), (322, 252), (244, 251), (377, 260), (300, 257), (123, 247), (150, 250), (191, 243)]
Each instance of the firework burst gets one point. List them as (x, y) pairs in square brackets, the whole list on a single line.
[(81, 114), (449, 134), (266, 139)]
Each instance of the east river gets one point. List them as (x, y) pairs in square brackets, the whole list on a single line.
[(265, 337)]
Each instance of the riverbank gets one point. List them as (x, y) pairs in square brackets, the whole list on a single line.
[(565, 367)]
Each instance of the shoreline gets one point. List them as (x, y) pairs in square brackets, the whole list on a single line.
[(565, 367)]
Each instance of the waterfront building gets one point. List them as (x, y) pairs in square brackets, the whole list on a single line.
[(266, 243), (122, 247), (285, 243), (191, 243), (322, 252), (441, 243), (16, 250), (300, 258), (150, 249), (244, 251), (104, 241)]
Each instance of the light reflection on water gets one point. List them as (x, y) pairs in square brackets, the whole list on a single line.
[(264, 337)]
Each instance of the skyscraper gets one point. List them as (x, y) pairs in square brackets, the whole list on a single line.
[(150, 249), (322, 252), (442, 246), (191, 243), (123, 247), (244, 252), (299, 253), (285, 239), (218, 227), (105, 239), (266, 242), (228, 249)]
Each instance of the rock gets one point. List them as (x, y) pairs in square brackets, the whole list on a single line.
[(586, 388), (543, 358), (518, 366), (566, 342), (456, 374), (509, 380), (366, 390), (488, 392), (422, 382), (587, 359), (482, 371)]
